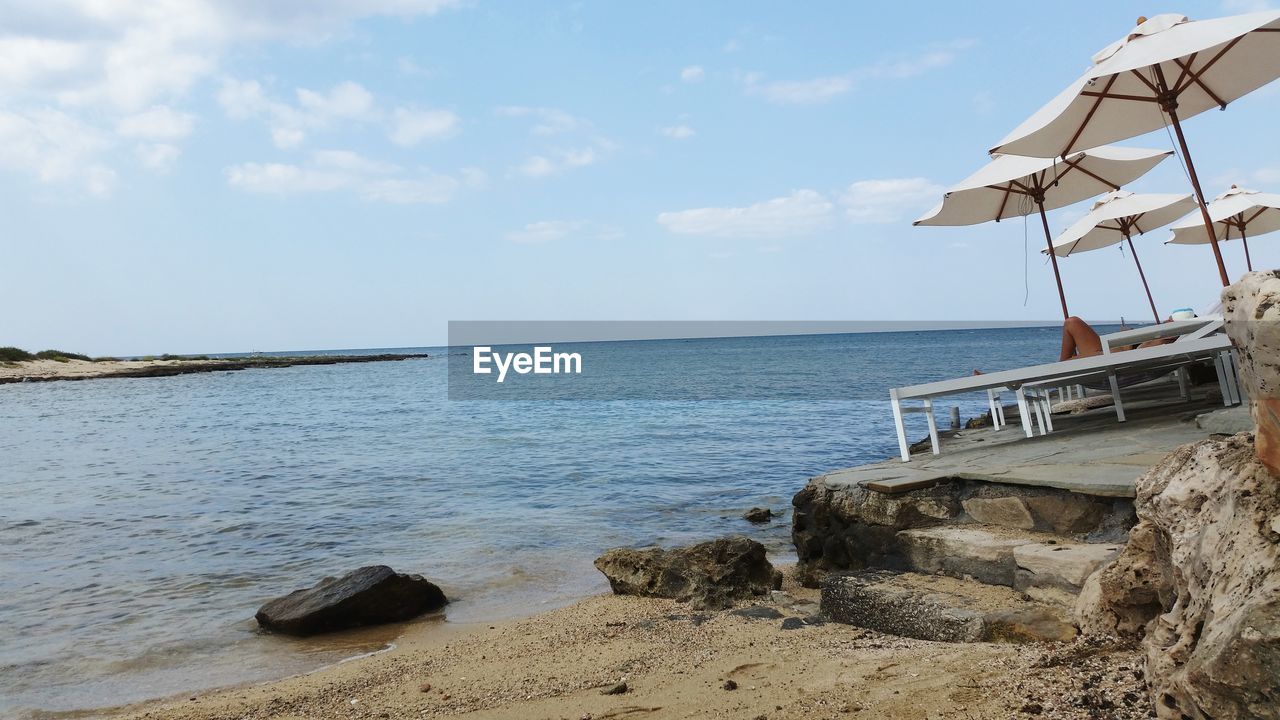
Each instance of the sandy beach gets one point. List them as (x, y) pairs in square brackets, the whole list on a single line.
[(679, 663)]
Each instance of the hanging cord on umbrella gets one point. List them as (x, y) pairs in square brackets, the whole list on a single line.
[(1182, 162)]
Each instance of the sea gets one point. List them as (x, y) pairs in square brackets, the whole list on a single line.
[(143, 521)]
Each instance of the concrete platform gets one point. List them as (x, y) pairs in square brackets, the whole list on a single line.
[(1089, 453)]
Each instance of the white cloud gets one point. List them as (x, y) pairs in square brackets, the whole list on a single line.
[(290, 124), (1267, 175), (106, 67), (55, 147), (474, 177), (800, 92), (549, 121), (410, 127), (159, 157), (348, 161), (332, 170), (560, 160), (545, 231), (431, 189), (824, 89), (536, 166), (160, 122), (344, 100), (241, 99), (802, 212), (888, 200), (692, 74), (283, 179), (679, 132)]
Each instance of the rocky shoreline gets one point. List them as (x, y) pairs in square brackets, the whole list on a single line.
[(49, 370)]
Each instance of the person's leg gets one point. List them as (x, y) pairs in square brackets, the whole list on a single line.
[(1079, 340)]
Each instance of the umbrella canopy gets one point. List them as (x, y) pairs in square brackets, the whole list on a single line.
[(1236, 213), (1014, 186), (1165, 69), (1119, 216)]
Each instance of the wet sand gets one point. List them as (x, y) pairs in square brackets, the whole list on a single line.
[(679, 663)]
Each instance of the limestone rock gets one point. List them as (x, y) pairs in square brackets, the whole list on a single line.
[(1008, 511), (961, 551), (708, 575), (368, 596), (1203, 571), (839, 526), (1066, 565), (1251, 307)]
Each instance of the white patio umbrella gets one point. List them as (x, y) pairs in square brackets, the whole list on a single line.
[(1117, 217), (1236, 213), (1014, 186), (1168, 68)]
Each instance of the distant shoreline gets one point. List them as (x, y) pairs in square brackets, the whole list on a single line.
[(51, 370)]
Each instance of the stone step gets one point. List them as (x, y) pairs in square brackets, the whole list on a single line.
[(940, 608), (1045, 567)]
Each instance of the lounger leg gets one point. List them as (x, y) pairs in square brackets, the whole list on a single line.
[(1037, 402), (991, 403), (933, 425), (1025, 413), (1219, 365), (903, 448), (1000, 410), (1115, 396), (1048, 415), (1182, 384), (1233, 376), (1080, 392)]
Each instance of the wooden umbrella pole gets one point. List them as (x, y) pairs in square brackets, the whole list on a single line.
[(1048, 238), (1133, 251), (1169, 103), (1248, 262)]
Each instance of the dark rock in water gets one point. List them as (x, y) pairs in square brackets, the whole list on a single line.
[(758, 515), (757, 612), (708, 575), (368, 596)]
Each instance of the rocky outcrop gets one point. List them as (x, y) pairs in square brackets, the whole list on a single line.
[(371, 595), (708, 575), (840, 527), (1200, 582), (758, 515), (1252, 309)]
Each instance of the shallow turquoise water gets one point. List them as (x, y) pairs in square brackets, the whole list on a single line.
[(143, 521)]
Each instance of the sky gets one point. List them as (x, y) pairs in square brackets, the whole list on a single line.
[(196, 176)]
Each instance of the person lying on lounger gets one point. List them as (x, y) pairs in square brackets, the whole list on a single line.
[(1080, 340)]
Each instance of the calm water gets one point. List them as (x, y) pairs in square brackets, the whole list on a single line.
[(143, 521)]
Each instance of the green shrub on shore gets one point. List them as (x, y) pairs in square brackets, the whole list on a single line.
[(167, 356), (61, 356), (13, 354)]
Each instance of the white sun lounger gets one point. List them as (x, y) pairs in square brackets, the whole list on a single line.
[(1067, 372), (1179, 331)]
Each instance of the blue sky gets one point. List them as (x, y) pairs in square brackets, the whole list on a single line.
[(190, 176)]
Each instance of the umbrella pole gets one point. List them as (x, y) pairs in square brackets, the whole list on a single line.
[(1245, 240), (1171, 109), (1133, 251), (1048, 238)]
